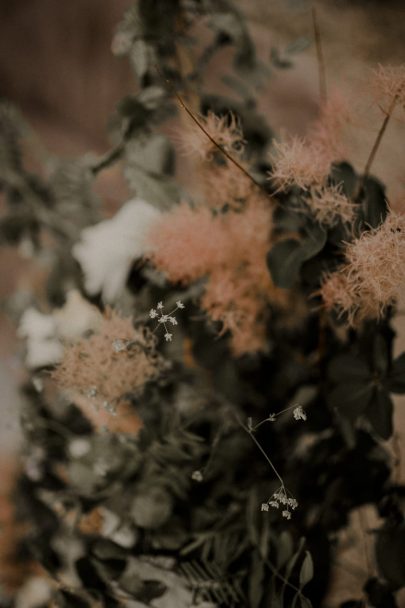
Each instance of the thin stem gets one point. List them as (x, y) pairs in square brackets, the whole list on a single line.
[(249, 432), (204, 130), (109, 157), (380, 135), (320, 57)]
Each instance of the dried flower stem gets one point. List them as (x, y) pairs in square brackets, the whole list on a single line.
[(250, 433), (320, 56), (204, 130), (380, 135)]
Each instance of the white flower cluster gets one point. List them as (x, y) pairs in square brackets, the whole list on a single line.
[(299, 413), (280, 498), (164, 319)]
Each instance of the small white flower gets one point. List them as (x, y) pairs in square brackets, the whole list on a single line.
[(153, 313), (164, 319), (173, 320), (293, 503), (197, 476), (107, 250), (179, 304), (299, 413), (274, 503), (271, 418), (160, 305), (286, 514), (119, 345), (168, 337), (265, 506), (92, 392)]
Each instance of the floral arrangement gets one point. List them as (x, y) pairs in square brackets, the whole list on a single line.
[(211, 369)]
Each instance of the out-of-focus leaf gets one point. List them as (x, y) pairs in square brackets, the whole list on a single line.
[(390, 553), (351, 398), (348, 367), (379, 413), (396, 378)]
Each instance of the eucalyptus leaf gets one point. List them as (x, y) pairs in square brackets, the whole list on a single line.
[(390, 554), (379, 413), (396, 378), (307, 570), (351, 398), (348, 367)]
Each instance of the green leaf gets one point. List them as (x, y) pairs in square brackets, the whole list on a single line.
[(307, 570), (380, 412), (142, 56), (374, 204), (351, 398), (284, 261), (284, 548), (381, 358), (345, 368), (390, 553), (157, 189), (256, 581), (152, 153), (396, 378)]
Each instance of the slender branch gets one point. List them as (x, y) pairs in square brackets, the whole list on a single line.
[(249, 432), (380, 135), (323, 94), (206, 133)]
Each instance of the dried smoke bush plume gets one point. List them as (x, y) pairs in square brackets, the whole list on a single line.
[(220, 181), (389, 82), (223, 184), (305, 162), (329, 205), (116, 360), (373, 274), (230, 251), (296, 162), (224, 130)]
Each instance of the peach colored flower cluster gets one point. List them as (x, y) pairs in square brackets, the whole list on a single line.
[(389, 82), (229, 250), (329, 204), (373, 274), (221, 182), (115, 360), (224, 130), (306, 162)]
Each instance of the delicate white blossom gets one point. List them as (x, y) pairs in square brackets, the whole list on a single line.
[(299, 413), (107, 250), (165, 318)]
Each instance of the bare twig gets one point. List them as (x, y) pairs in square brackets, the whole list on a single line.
[(321, 60)]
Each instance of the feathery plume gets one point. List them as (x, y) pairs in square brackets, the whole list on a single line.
[(229, 250), (373, 274), (99, 369)]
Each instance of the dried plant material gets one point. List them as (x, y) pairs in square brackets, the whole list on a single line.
[(389, 82), (329, 205), (230, 251), (107, 250), (13, 570), (295, 162), (101, 373), (224, 130), (306, 162), (373, 274), (220, 181)]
